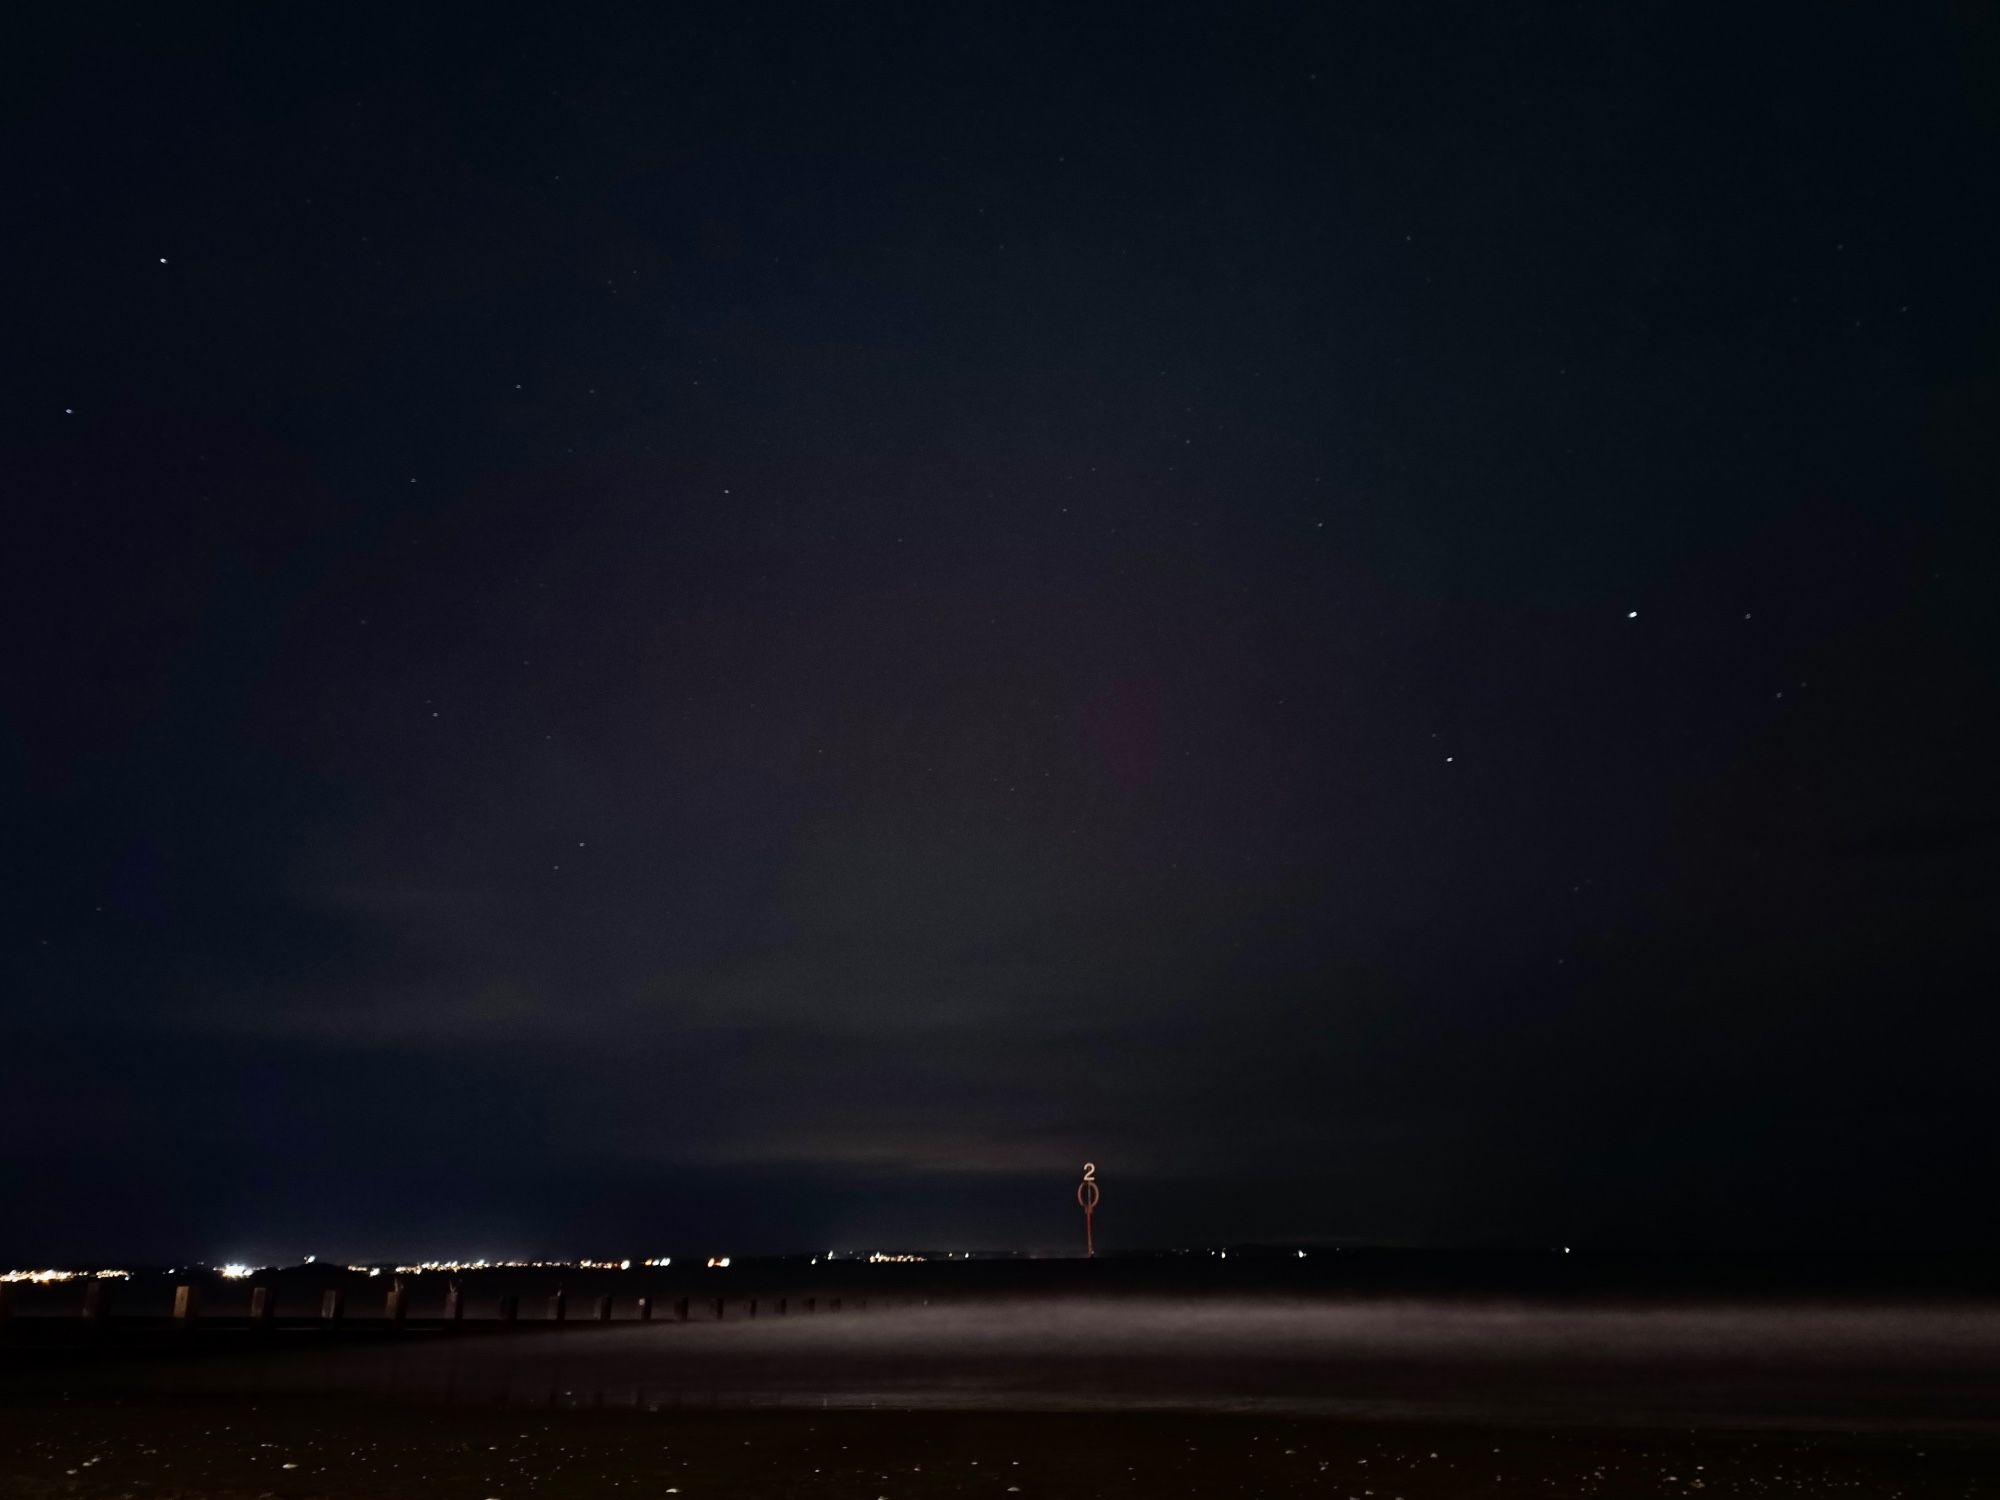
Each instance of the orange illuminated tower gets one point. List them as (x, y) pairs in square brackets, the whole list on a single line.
[(1086, 1199)]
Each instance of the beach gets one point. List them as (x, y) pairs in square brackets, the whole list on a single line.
[(314, 1449), (1368, 1399)]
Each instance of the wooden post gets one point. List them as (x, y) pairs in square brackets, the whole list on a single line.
[(834, 1305), (454, 1304), (96, 1297), (558, 1308), (604, 1309), (396, 1307), (807, 1304), (510, 1309), (260, 1307), (750, 1308), (332, 1305), (645, 1313), (187, 1305), (778, 1308), (718, 1309), (681, 1309)]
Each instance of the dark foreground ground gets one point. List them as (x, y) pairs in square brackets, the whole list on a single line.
[(1363, 1398), (294, 1448)]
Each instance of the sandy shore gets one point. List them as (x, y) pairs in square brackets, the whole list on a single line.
[(1357, 1400), (291, 1448)]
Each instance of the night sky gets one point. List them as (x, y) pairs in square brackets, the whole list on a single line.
[(730, 628)]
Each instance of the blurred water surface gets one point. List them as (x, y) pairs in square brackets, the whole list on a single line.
[(1885, 1366)]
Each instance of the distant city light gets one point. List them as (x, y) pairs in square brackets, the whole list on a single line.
[(878, 1258), (234, 1272), (420, 1267), (719, 1262), (45, 1277)]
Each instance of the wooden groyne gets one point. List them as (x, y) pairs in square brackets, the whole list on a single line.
[(97, 1307)]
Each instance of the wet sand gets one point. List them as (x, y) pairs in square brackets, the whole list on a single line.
[(313, 1449), (1365, 1399)]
